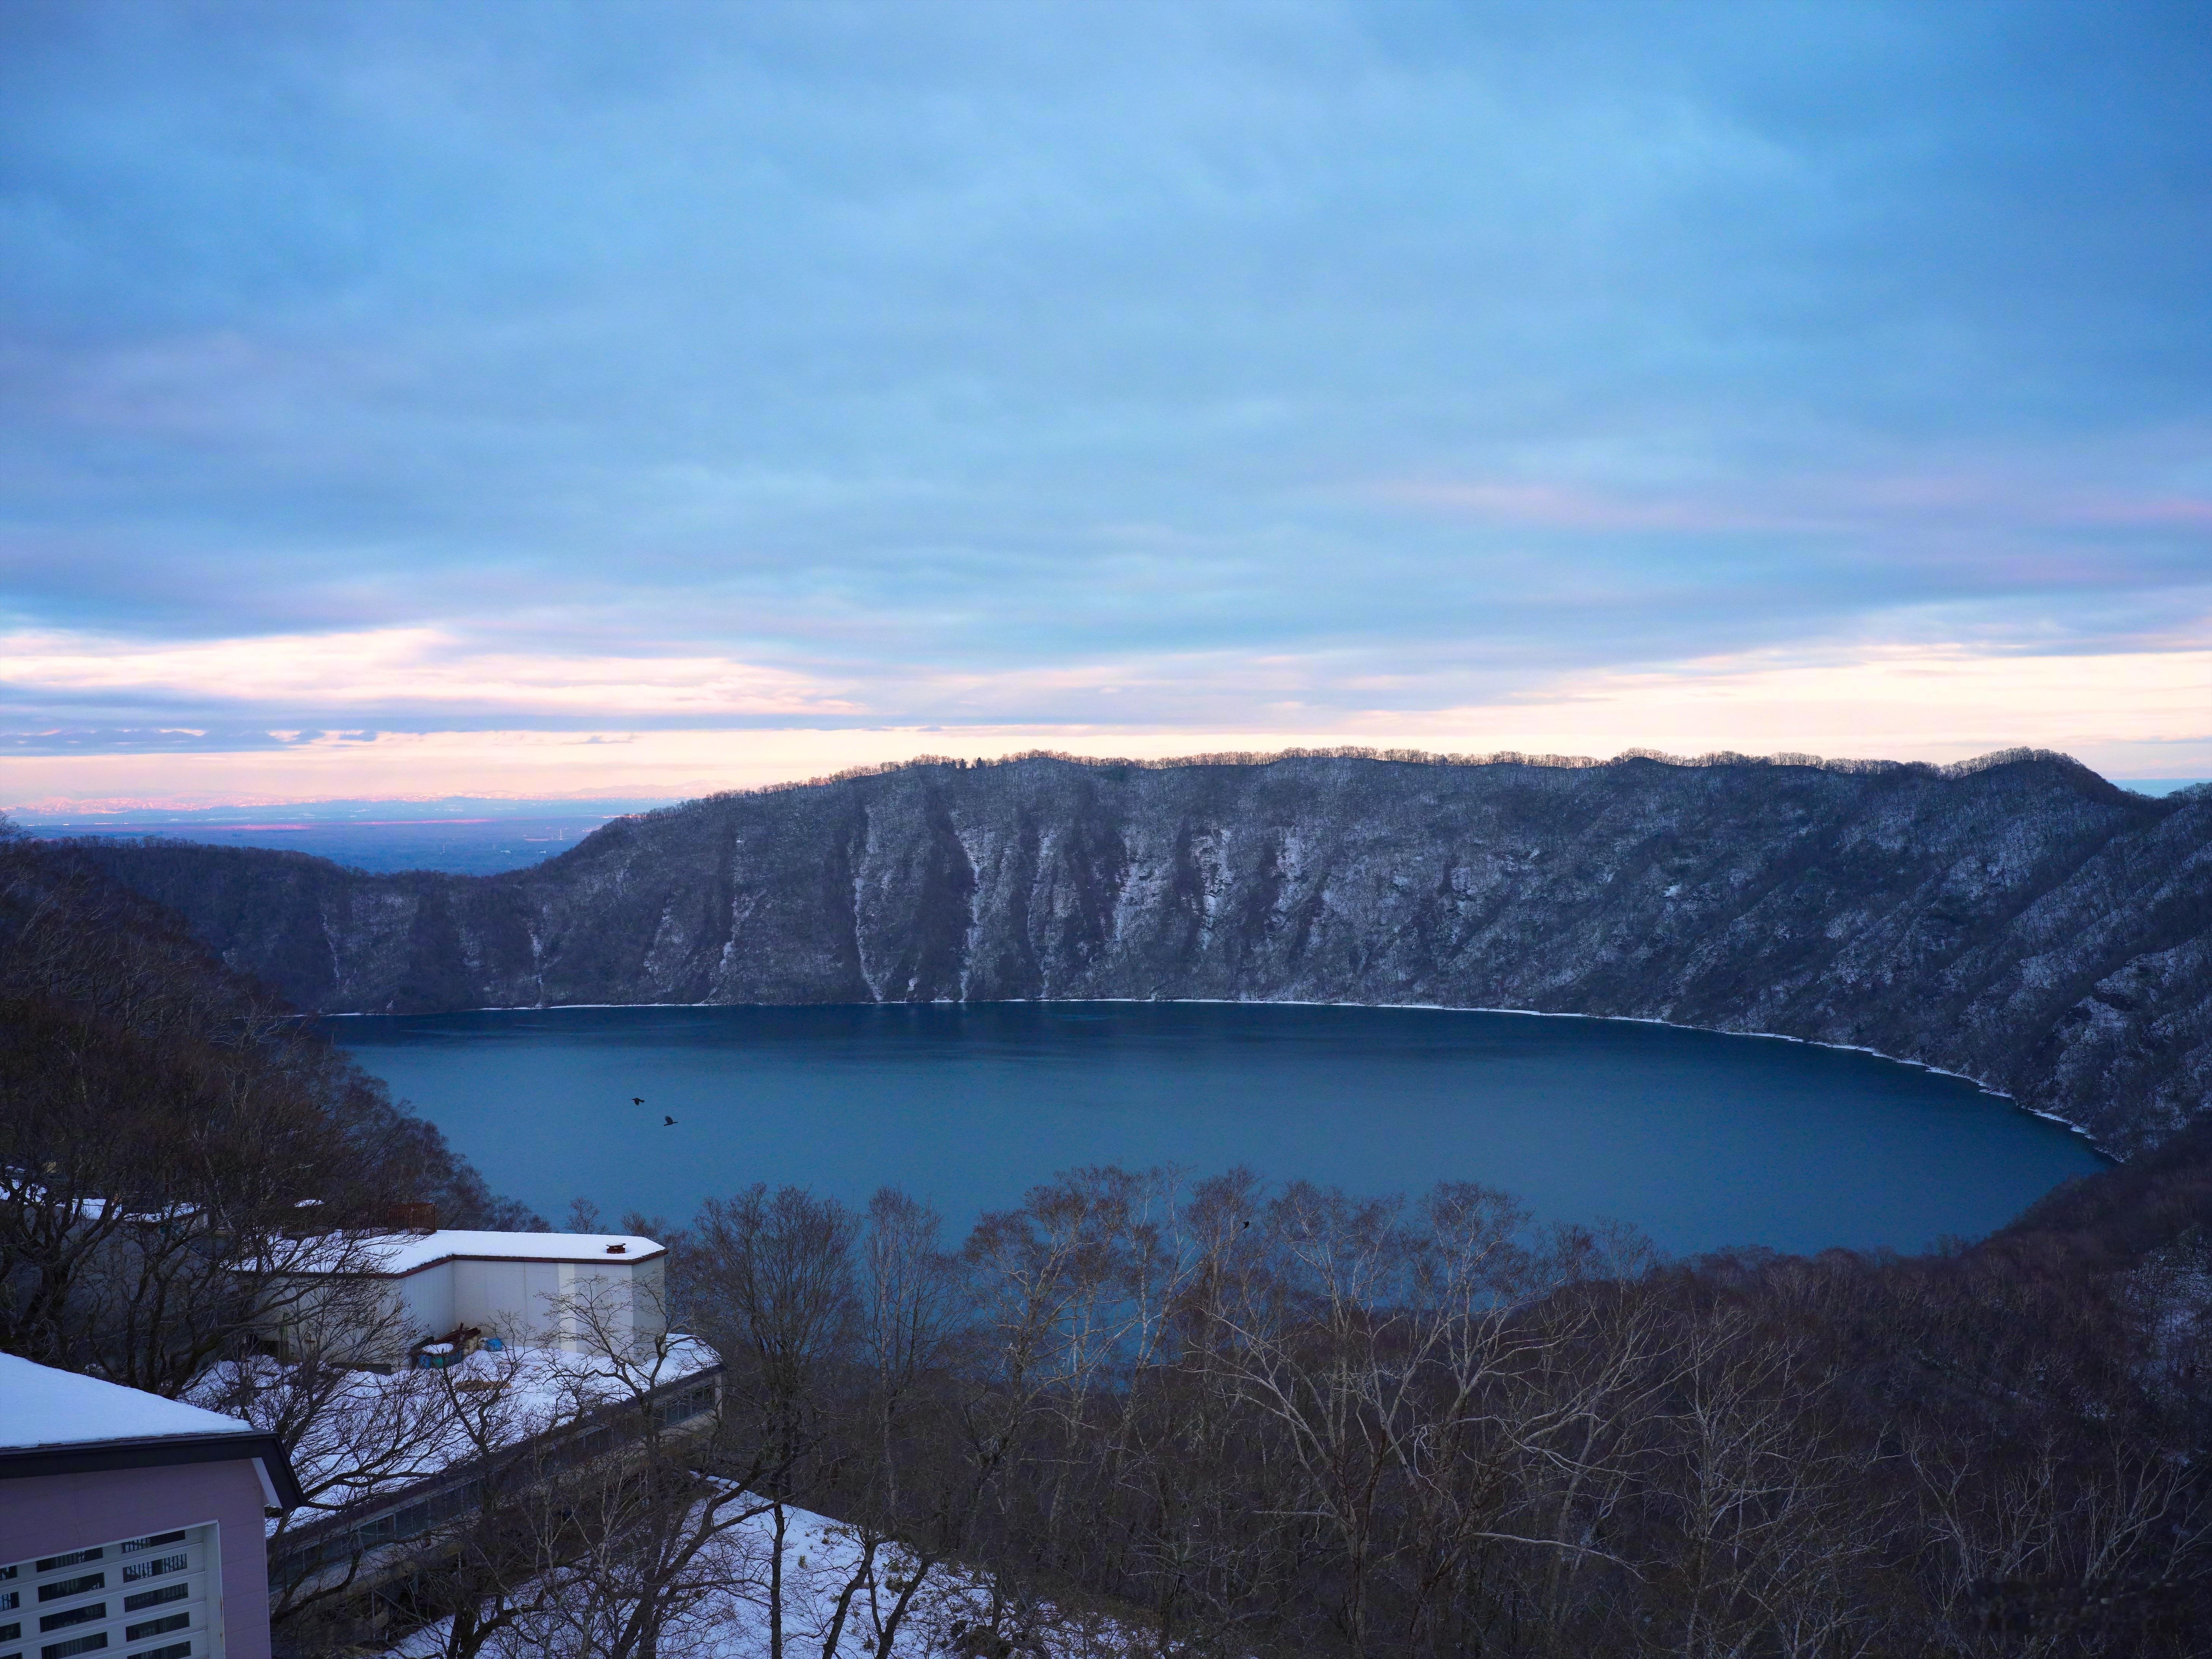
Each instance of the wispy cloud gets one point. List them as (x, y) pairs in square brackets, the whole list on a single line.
[(390, 670)]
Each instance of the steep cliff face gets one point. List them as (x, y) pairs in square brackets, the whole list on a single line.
[(2024, 923)]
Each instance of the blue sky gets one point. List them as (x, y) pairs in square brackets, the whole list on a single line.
[(616, 397)]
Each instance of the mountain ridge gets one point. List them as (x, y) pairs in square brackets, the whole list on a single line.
[(2016, 919)]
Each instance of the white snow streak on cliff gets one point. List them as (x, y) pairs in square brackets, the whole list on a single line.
[(987, 865), (859, 914), (1209, 850)]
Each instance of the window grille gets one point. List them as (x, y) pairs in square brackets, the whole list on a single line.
[(87, 1601)]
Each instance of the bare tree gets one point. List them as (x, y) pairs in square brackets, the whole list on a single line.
[(769, 1283)]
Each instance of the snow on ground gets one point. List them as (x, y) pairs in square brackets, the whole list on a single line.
[(952, 1612)]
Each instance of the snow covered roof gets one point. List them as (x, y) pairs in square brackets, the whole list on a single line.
[(55, 1422), (46, 1408), (400, 1253), (381, 1434), (93, 1208)]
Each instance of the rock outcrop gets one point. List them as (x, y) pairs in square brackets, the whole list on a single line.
[(2019, 920)]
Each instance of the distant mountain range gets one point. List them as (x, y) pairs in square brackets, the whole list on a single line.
[(476, 847), (2017, 920)]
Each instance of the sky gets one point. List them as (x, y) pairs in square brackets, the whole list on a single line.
[(633, 399)]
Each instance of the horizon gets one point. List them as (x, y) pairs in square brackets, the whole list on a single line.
[(336, 812)]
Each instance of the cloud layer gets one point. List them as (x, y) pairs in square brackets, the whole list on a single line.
[(1301, 367)]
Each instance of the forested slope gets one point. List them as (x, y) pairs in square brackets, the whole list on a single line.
[(2020, 921), (152, 1101)]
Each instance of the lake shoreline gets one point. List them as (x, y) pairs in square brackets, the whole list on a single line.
[(1789, 1154), (2111, 1158)]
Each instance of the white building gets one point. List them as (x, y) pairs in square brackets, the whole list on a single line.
[(387, 1296)]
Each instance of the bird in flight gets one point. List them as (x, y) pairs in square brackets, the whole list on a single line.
[(668, 1120), (637, 1100)]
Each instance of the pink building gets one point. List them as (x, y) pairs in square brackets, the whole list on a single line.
[(131, 1525)]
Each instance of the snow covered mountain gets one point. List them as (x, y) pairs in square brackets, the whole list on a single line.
[(2018, 920)]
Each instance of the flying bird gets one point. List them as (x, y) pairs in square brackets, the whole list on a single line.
[(666, 1120), (637, 1100)]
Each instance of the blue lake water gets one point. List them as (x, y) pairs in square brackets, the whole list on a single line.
[(1700, 1140)]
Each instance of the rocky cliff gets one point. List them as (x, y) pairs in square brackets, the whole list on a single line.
[(2020, 920)]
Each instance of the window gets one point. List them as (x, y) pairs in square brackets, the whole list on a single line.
[(685, 1406), (456, 1500), (172, 1609)]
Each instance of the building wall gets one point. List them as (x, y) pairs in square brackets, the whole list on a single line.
[(50, 1515), (527, 1303), (535, 1302), (649, 1297), (513, 1300), (430, 1300), (354, 1319)]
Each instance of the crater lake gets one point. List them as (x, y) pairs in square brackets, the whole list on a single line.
[(1698, 1139)]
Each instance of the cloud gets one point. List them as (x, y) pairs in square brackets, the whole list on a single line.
[(396, 669), (2133, 715), (452, 367)]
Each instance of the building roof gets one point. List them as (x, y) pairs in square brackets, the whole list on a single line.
[(47, 1407), (400, 1253), (58, 1422), (448, 1416)]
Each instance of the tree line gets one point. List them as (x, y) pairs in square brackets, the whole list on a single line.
[(1162, 1415), (1261, 1420)]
